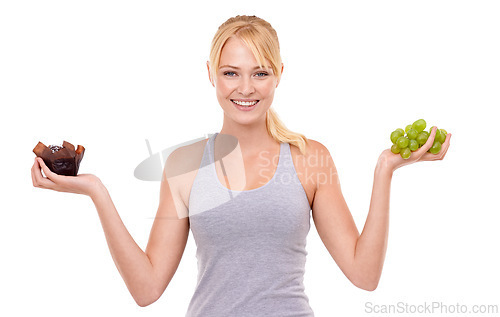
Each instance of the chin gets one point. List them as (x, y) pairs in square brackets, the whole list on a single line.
[(246, 118)]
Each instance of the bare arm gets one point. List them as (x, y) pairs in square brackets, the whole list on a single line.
[(133, 264), (360, 257), (146, 274), (371, 246)]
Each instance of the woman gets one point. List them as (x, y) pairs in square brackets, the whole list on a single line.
[(249, 212)]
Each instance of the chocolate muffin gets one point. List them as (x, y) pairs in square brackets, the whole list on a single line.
[(62, 160)]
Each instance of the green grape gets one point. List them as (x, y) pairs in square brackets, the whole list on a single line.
[(395, 135), (405, 153), (419, 125), (402, 142), (422, 137), (442, 133), (440, 137), (413, 145), (436, 147), (395, 149), (412, 134)]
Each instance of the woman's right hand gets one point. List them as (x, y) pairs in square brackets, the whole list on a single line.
[(85, 184)]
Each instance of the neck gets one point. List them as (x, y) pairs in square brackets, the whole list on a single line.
[(251, 137)]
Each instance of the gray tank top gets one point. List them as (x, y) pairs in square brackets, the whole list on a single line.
[(250, 244)]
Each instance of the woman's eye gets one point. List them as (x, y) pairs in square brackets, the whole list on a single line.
[(259, 74)]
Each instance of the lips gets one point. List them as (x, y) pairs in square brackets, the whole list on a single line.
[(245, 100), (247, 107)]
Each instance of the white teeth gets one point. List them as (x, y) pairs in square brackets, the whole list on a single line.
[(244, 103)]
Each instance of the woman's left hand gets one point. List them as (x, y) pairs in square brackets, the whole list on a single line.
[(391, 161)]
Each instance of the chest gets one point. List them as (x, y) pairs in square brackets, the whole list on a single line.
[(240, 172)]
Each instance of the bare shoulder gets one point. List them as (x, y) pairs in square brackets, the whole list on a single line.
[(318, 156), (182, 167), (313, 167), (312, 146), (185, 158), (320, 163), (317, 147)]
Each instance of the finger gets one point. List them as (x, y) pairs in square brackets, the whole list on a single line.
[(41, 181), (50, 175), (34, 170), (33, 173), (420, 153), (446, 146), (440, 155)]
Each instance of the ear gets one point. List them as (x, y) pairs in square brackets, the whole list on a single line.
[(209, 75), (280, 75)]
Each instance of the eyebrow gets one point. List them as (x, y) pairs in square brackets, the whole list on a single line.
[(256, 67)]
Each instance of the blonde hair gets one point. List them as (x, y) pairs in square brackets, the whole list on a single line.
[(262, 40)]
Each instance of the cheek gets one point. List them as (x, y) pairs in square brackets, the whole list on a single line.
[(224, 88), (266, 90)]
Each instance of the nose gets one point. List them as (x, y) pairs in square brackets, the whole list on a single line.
[(246, 87)]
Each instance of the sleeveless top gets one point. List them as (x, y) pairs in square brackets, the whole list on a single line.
[(250, 244)]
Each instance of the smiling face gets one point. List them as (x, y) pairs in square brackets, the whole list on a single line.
[(240, 80)]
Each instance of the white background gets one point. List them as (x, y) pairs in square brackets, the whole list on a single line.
[(110, 74)]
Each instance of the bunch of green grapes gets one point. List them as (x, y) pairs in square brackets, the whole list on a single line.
[(415, 137)]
